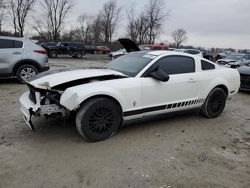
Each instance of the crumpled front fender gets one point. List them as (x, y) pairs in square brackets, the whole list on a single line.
[(72, 98)]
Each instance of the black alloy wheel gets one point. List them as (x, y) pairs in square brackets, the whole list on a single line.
[(98, 119), (215, 103)]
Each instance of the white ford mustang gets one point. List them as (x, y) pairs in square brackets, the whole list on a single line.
[(137, 85)]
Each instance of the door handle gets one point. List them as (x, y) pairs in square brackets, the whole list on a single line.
[(17, 53), (192, 80)]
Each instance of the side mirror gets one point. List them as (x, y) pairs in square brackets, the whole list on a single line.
[(159, 74)]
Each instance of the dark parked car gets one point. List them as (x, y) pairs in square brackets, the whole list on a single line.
[(207, 55), (47, 44), (90, 49), (74, 49), (245, 77)]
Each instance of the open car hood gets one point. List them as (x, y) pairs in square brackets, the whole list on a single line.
[(129, 45), (71, 77)]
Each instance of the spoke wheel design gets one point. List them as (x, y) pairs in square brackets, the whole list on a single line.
[(25, 72), (98, 119), (101, 120), (215, 103)]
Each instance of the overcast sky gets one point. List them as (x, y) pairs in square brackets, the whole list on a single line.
[(209, 23)]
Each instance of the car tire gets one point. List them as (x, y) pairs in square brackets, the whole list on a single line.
[(215, 103), (53, 54), (78, 55), (98, 119), (25, 72)]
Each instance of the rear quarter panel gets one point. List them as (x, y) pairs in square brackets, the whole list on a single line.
[(220, 76)]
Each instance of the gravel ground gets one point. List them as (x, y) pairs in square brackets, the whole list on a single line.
[(179, 151)]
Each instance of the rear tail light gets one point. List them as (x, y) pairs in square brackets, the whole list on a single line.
[(40, 51)]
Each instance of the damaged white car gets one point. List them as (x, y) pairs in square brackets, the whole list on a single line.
[(136, 85)]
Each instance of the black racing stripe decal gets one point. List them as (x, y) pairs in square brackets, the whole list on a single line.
[(141, 111), (163, 107), (81, 81)]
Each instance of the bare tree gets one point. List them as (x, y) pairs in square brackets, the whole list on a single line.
[(19, 11), (85, 29), (132, 31), (97, 30), (2, 13), (145, 26), (179, 36), (110, 14), (55, 12), (142, 27), (156, 14), (40, 26)]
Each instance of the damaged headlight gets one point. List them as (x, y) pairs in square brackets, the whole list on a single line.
[(50, 97)]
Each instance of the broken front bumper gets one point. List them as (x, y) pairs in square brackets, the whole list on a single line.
[(28, 108), (31, 108)]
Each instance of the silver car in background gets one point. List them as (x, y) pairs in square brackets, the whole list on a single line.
[(22, 58), (234, 60)]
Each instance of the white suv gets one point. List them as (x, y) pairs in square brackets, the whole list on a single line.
[(22, 58)]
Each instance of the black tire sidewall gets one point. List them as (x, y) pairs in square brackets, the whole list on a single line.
[(83, 115), (53, 52), (79, 55), (206, 108)]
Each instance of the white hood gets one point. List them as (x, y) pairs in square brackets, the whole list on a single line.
[(57, 77)]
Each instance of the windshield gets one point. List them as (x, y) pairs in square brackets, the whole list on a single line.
[(130, 64), (234, 57)]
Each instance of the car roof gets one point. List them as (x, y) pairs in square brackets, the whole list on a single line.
[(165, 52), (14, 38)]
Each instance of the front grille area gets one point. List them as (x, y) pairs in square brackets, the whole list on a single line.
[(32, 95), (245, 81)]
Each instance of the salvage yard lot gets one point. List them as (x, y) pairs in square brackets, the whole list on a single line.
[(177, 151)]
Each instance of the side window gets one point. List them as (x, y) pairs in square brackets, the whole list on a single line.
[(247, 57), (206, 65), (18, 44), (177, 64), (4, 43)]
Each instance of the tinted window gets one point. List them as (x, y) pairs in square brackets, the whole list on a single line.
[(6, 43), (18, 44), (247, 57), (206, 65), (177, 64)]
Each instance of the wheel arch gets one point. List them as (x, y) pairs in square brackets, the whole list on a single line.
[(26, 62), (224, 87), (102, 96), (72, 99)]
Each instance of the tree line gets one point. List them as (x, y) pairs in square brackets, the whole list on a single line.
[(49, 21)]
